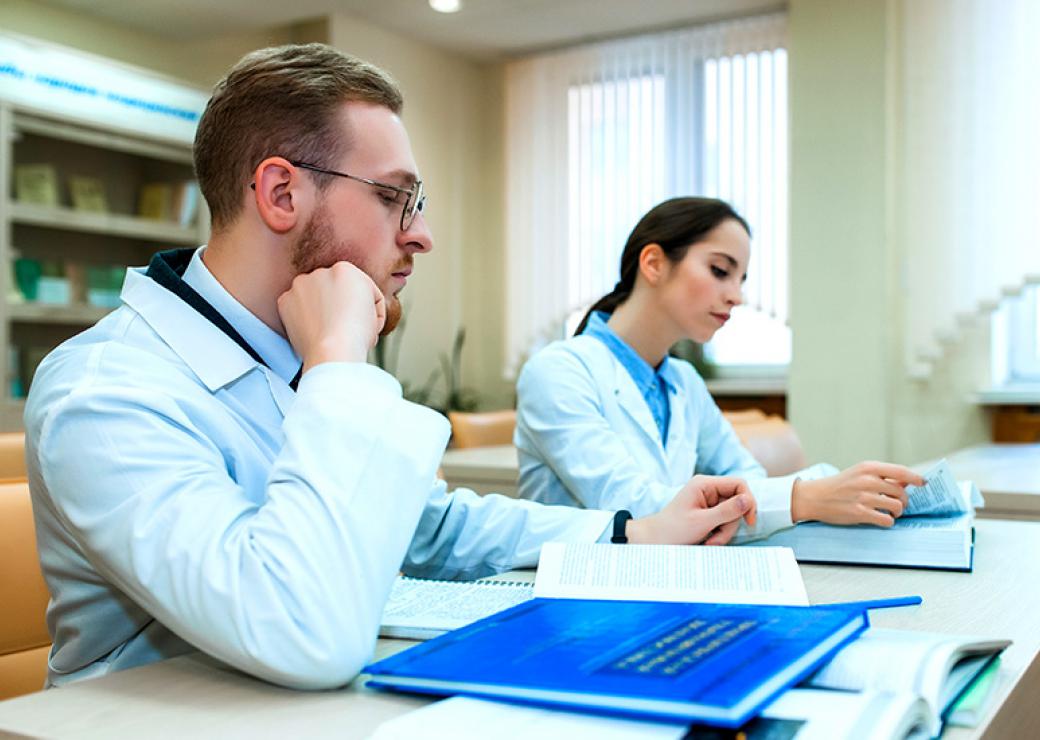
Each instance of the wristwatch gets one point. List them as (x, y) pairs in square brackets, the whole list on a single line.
[(620, 520)]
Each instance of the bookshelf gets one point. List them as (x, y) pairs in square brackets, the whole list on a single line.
[(62, 253)]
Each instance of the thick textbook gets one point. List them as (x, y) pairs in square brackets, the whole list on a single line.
[(936, 531), (937, 668), (419, 609), (712, 663)]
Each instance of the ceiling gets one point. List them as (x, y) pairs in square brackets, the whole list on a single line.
[(485, 29)]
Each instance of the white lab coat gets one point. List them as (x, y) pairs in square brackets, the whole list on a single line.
[(185, 498), (586, 437)]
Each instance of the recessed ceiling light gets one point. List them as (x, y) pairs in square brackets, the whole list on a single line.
[(446, 6)]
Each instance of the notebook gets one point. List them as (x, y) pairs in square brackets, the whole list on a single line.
[(936, 531), (804, 714), (419, 609), (718, 664)]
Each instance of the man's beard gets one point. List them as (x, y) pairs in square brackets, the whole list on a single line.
[(316, 248)]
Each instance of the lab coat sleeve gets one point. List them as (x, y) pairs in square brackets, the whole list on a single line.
[(719, 452), (560, 419), (291, 590), (462, 535)]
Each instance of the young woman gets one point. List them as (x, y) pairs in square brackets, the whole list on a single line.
[(607, 420)]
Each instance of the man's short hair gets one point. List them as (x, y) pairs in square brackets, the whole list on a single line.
[(280, 101)]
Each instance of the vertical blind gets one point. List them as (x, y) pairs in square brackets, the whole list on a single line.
[(598, 134)]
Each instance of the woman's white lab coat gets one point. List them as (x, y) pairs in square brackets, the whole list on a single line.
[(586, 438)]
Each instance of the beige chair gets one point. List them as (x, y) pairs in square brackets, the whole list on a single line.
[(12, 456), (482, 429), (24, 641), (771, 440)]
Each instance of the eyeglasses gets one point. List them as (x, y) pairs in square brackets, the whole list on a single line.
[(414, 197)]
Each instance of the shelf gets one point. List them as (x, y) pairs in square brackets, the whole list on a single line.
[(46, 313), (67, 219), (100, 139)]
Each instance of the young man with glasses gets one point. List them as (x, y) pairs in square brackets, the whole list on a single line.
[(214, 466)]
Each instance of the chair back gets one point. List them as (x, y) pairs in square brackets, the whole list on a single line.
[(483, 428), (24, 640), (12, 456), (771, 440)]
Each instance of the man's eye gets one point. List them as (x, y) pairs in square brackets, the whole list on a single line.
[(719, 273), (388, 196)]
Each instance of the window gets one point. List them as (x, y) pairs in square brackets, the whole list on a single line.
[(618, 168), (1016, 339), (598, 134)]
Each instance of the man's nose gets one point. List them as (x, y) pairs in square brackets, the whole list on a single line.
[(417, 236)]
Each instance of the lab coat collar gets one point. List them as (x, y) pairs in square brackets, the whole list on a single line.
[(211, 355)]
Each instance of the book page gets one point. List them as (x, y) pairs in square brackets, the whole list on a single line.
[(762, 575), (865, 714), (421, 609), (939, 496)]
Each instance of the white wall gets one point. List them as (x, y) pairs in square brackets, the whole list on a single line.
[(453, 113), (850, 398)]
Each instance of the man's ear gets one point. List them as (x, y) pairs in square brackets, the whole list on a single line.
[(280, 194), (653, 263)]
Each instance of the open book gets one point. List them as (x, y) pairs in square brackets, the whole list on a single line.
[(422, 609), (935, 531), (937, 668)]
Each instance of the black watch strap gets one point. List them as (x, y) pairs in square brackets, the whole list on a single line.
[(620, 520)]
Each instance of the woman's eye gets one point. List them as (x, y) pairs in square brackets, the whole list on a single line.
[(387, 197), (719, 272)]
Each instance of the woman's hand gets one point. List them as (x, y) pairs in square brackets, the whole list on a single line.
[(866, 493), (707, 509)]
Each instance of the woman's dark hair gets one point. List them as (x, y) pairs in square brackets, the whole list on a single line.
[(676, 225)]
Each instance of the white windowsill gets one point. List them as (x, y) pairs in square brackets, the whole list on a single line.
[(1009, 395), (766, 386)]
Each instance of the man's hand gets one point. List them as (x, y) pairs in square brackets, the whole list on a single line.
[(866, 493), (333, 314), (708, 509)]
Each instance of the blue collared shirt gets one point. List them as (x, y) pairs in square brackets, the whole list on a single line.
[(275, 349), (652, 383)]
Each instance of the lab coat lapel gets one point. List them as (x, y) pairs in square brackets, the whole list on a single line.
[(632, 402)]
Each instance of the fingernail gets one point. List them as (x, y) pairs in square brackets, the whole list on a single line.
[(743, 502)]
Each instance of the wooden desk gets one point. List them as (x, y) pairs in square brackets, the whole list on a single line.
[(1007, 474), (483, 469), (194, 696)]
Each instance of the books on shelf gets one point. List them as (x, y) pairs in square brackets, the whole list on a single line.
[(714, 663), (87, 194), (731, 575), (936, 531), (420, 609), (177, 202), (935, 667), (36, 184)]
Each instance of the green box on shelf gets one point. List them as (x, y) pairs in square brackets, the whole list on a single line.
[(27, 273), (103, 285)]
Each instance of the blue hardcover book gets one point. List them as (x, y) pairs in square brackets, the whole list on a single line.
[(712, 663)]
